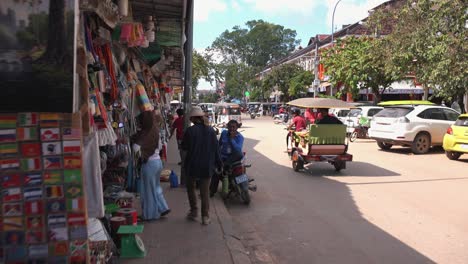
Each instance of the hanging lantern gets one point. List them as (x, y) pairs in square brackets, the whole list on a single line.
[(123, 7)]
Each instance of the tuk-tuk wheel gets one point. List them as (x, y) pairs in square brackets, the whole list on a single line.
[(297, 163), (339, 165)]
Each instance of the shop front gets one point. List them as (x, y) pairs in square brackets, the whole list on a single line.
[(77, 75)]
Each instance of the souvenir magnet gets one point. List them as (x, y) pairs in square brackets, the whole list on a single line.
[(12, 195), (34, 222), (76, 219), (50, 134), (7, 135), (72, 162), (72, 176), (8, 149), (78, 232), (30, 149), (15, 254), (9, 164), (31, 164), (27, 133), (33, 178), (54, 191), (52, 177), (11, 179), (38, 251), (33, 193), (75, 205), (79, 247), (7, 120), (28, 119), (35, 237), (71, 133), (56, 206), (13, 209), (54, 162), (14, 238), (58, 233), (34, 207), (58, 249), (49, 119), (74, 191), (51, 148), (71, 146), (13, 223)]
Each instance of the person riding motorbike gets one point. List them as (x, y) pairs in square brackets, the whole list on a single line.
[(230, 146), (298, 121)]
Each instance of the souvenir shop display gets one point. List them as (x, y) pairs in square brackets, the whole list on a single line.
[(43, 207)]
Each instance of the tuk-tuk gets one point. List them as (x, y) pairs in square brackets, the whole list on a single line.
[(319, 142), (224, 112)]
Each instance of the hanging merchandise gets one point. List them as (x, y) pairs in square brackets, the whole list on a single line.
[(144, 101)]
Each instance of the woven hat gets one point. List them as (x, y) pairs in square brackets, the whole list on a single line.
[(196, 111)]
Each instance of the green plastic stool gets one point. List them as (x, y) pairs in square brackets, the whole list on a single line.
[(131, 244)]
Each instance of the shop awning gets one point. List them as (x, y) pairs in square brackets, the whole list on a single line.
[(325, 84)]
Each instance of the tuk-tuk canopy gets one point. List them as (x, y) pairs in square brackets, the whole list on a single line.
[(310, 102)]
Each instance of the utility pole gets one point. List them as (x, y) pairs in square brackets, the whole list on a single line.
[(316, 64)]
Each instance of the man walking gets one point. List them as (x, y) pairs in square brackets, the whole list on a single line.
[(202, 157)]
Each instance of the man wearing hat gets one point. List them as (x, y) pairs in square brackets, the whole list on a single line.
[(201, 146)]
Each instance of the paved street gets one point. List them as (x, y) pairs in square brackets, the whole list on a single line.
[(386, 207)]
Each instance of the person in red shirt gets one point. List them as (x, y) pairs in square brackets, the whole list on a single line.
[(310, 116), (178, 126), (298, 121)]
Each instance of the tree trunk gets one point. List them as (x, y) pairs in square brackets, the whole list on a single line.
[(56, 51), (426, 92)]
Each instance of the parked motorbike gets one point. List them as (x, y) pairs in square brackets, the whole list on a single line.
[(255, 113), (359, 132), (235, 181), (281, 118)]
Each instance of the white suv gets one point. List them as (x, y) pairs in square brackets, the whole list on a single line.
[(352, 119), (416, 126)]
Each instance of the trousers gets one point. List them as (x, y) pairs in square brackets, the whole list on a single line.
[(153, 202), (204, 185)]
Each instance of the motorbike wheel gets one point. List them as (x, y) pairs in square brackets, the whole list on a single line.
[(353, 136), (252, 116), (245, 196)]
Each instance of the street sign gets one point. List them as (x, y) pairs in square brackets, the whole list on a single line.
[(247, 94), (316, 82)]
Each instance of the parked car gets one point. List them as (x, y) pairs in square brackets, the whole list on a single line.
[(340, 113), (416, 126), (456, 139), (352, 119)]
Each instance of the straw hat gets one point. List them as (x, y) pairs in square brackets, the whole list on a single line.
[(196, 111)]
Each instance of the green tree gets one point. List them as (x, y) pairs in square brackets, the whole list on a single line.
[(299, 83), (280, 77), (429, 42), (358, 62), (200, 70), (245, 51)]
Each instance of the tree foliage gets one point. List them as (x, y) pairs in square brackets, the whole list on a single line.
[(429, 41), (244, 51), (359, 62), (280, 78)]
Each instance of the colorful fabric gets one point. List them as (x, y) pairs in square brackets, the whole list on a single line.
[(8, 149), (143, 99), (28, 119), (7, 135), (8, 121), (27, 133)]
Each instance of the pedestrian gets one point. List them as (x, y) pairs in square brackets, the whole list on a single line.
[(201, 160), (326, 118), (147, 142), (178, 127)]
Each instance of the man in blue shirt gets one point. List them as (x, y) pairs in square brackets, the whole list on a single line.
[(230, 145)]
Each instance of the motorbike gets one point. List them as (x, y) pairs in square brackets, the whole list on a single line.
[(255, 113), (235, 181), (359, 132), (281, 118)]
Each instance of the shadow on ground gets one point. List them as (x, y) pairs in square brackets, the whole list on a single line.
[(294, 218)]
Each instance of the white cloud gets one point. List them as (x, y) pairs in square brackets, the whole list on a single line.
[(273, 7), (349, 11), (235, 5), (203, 9)]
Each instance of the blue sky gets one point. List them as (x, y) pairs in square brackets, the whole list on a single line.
[(307, 17)]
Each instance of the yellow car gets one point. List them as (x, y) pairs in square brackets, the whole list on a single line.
[(456, 138)]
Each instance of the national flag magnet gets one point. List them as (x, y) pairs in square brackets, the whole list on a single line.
[(51, 148), (31, 164), (50, 134), (54, 162), (30, 149), (27, 133), (28, 119), (71, 146)]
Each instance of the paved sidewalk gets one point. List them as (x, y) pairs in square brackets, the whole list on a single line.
[(173, 239)]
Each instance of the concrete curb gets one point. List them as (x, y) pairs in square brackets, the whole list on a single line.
[(238, 253)]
